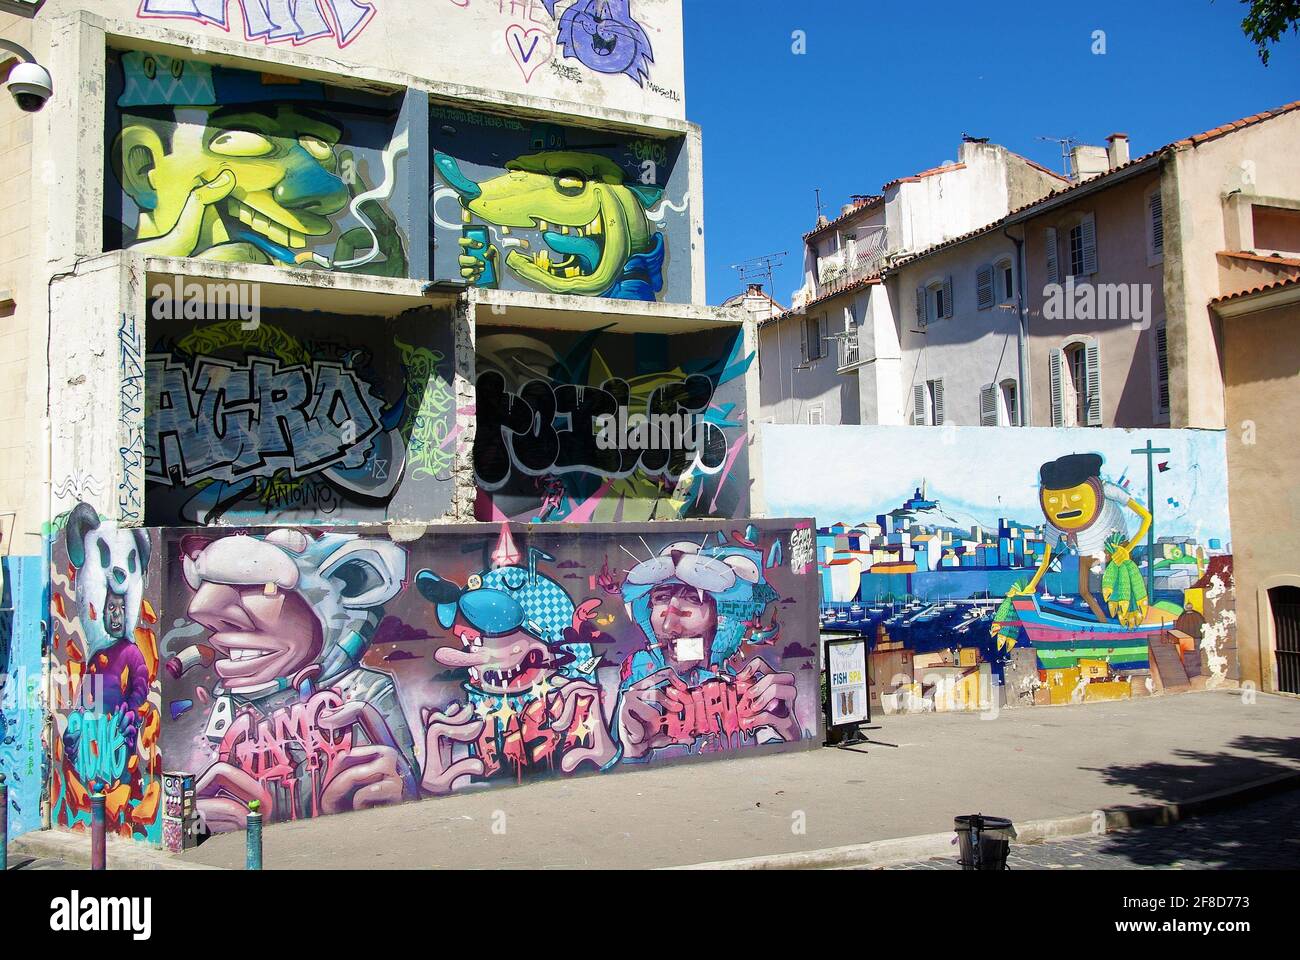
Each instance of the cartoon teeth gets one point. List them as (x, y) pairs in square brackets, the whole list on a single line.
[(264, 225), (238, 656)]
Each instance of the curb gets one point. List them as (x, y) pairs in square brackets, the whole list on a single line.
[(882, 853), (74, 850)]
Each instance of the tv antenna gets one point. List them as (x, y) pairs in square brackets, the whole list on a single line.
[(1067, 144), (817, 191), (760, 270)]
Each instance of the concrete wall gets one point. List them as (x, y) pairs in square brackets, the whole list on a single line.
[(928, 539), (1127, 340), (535, 48), (558, 209), (1257, 161), (1262, 369), (971, 349)]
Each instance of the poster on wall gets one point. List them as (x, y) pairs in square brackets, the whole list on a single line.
[(379, 672), (1073, 565), (846, 664)]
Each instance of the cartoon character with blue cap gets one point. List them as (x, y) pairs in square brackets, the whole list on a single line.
[(531, 700), (696, 604)]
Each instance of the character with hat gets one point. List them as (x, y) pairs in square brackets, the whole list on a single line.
[(1084, 513)]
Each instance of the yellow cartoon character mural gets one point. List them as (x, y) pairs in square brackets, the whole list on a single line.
[(1087, 515), (244, 167)]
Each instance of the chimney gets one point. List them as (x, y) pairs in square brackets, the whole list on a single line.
[(1117, 149), (755, 290), (1088, 161)]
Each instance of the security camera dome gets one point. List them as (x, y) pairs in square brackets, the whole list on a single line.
[(31, 85)]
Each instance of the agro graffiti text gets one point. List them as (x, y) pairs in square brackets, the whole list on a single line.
[(273, 21)]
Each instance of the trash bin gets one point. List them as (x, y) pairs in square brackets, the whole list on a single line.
[(984, 841)]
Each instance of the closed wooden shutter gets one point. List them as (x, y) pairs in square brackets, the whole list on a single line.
[(984, 288), (918, 405), (1157, 209), (1089, 229), (1056, 371), (989, 405), (937, 387), (947, 298), (920, 307), (1053, 256), (1092, 358), (1162, 367)]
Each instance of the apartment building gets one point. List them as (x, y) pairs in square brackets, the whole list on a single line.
[(835, 357)]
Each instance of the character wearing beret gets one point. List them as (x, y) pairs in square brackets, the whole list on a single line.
[(1087, 515)]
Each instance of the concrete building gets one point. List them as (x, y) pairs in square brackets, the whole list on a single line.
[(838, 356)]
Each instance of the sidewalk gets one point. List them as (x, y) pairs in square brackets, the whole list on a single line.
[(1028, 764)]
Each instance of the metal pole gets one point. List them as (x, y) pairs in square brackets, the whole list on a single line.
[(98, 839), (4, 825), (253, 855)]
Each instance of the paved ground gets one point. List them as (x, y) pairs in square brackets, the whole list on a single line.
[(1258, 836), (1027, 764)]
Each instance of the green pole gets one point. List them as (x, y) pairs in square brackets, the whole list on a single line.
[(1150, 451)]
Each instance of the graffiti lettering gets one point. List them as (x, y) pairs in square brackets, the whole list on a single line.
[(227, 421), (130, 393), (273, 21), (102, 750)]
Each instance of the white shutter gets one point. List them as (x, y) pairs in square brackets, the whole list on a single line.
[(989, 405), (918, 405), (803, 339), (937, 387), (823, 331), (1056, 370), (1053, 257), (947, 298), (1092, 358), (1157, 210), (984, 288), (920, 307), (1089, 229)]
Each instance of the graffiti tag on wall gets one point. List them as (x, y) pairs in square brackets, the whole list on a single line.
[(550, 662), (273, 21)]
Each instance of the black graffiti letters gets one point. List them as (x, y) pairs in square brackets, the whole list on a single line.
[(547, 429)]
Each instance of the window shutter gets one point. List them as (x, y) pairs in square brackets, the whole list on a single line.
[(1089, 227), (1053, 261), (1162, 368), (947, 298), (984, 288), (1013, 404), (918, 405), (1056, 365), (823, 331), (1157, 207), (989, 405), (1092, 359), (920, 307), (937, 386), (803, 340)]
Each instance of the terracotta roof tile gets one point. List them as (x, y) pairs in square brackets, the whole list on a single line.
[(859, 205), (1260, 288)]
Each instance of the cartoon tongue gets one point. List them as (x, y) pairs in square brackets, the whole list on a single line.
[(584, 248)]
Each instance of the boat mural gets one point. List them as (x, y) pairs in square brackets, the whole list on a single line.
[(1075, 565)]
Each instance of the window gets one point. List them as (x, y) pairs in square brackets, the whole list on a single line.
[(814, 338), (1275, 229), (934, 302), (1010, 404), (1006, 282), (1075, 375), (1083, 248), (816, 413), (998, 405), (927, 404)]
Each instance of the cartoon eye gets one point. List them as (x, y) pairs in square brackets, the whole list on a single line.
[(104, 557), (178, 68), (241, 143), (150, 67), (317, 147), (570, 184), (130, 561)]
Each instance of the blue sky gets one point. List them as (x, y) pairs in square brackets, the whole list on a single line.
[(982, 475), (886, 89)]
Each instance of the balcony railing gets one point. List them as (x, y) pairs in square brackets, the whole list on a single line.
[(850, 352), (860, 258)]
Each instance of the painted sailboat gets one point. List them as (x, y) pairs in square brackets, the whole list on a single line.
[(1061, 639)]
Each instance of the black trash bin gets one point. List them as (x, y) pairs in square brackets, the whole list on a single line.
[(984, 841)]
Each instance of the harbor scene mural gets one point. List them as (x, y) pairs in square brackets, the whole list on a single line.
[(1073, 565)]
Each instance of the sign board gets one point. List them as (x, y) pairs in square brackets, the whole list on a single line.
[(846, 667)]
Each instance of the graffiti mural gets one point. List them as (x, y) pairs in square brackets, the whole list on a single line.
[(321, 671), (551, 209), (299, 418), (232, 165), (21, 710), (603, 36), (1081, 565), (105, 698), (602, 426), (272, 21)]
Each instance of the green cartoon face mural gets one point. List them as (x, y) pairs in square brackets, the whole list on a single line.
[(556, 210), (236, 166), (591, 221)]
